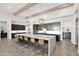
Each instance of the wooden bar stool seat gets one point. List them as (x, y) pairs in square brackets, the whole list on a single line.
[(26, 38), (41, 45), (32, 40), (26, 41), (41, 42), (21, 37), (21, 40), (17, 36), (33, 44)]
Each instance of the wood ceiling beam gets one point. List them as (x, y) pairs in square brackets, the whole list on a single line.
[(27, 6), (51, 9)]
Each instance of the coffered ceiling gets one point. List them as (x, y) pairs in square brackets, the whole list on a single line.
[(28, 10)]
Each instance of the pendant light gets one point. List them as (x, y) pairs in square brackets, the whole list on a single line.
[(41, 19)]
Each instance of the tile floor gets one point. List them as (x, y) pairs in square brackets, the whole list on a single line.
[(65, 48), (12, 48)]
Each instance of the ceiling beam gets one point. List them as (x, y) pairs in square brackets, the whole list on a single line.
[(51, 9), (61, 17), (27, 6)]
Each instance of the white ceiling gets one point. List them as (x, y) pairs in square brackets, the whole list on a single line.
[(11, 7), (38, 8)]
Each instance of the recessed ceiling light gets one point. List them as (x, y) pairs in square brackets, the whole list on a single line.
[(9, 7)]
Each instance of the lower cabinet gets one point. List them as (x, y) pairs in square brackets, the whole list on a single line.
[(3, 35), (66, 35)]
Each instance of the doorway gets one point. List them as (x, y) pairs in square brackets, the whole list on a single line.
[(66, 29), (3, 29), (76, 32)]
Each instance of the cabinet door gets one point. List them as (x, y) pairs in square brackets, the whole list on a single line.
[(67, 35)]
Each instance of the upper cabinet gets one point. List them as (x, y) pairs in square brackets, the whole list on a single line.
[(49, 27), (18, 27), (53, 26)]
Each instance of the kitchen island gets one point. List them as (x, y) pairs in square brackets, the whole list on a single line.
[(51, 40), (57, 34)]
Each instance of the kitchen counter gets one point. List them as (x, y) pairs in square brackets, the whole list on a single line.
[(38, 36), (51, 40), (13, 33), (52, 33)]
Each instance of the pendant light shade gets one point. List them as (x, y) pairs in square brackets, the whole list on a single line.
[(41, 21)]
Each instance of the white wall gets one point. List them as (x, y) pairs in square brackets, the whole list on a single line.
[(67, 23), (7, 17), (73, 31), (78, 28)]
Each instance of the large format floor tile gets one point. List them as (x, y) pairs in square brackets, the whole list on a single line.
[(13, 48), (65, 48)]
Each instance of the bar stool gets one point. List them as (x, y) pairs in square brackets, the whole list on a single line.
[(41, 42), (41, 45), (21, 40), (32, 41), (17, 36), (36, 48), (26, 39), (20, 37), (33, 44), (36, 43), (29, 40), (26, 42)]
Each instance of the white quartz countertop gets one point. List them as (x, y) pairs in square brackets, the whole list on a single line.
[(38, 36), (50, 32), (18, 31)]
